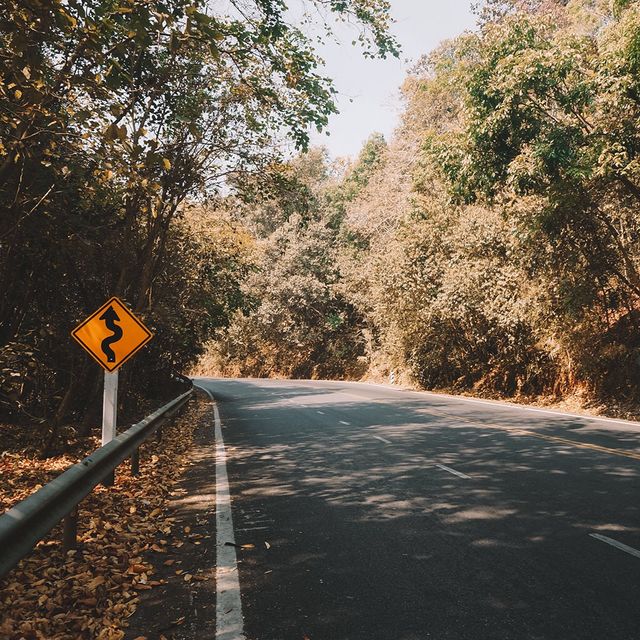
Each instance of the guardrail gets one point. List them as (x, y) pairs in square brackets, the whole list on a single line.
[(26, 523)]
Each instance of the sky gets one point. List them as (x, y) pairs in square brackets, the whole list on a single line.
[(373, 84)]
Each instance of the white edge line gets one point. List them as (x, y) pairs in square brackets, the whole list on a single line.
[(504, 405), (616, 544), (229, 621), (382, 439), (455, 473), (206, 391)]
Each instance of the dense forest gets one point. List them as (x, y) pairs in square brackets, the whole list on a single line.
[(491, 245)]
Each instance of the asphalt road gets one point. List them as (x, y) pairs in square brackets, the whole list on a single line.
[(399, 515)]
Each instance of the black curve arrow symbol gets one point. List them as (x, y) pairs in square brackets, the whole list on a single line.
[(110, 318)]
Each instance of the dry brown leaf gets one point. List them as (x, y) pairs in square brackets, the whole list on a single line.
[(136, 568), (96, 582)]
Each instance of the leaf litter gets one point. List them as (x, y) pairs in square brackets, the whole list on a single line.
[(91, 591)]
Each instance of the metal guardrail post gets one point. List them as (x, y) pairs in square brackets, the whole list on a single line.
[(70, 530), (110, 479), (135, 463)]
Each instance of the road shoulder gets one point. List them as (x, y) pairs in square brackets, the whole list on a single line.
[(184, 607)]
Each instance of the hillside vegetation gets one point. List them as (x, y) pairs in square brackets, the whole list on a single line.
[(119, 121), (491, 245)]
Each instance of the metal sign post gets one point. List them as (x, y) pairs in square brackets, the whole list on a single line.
[(109, 414), (109, 406)]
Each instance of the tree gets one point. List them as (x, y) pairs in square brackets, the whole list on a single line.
[(115, 114), (296, 321)]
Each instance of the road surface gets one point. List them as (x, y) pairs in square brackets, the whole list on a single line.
[(383, 514)]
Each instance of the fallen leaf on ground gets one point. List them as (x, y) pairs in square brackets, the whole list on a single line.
[(96, 582), (90, 592), (136, 568)]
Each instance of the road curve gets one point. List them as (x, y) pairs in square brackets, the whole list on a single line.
[(385, 514)]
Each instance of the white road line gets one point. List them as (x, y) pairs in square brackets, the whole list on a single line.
[(455, 473), (616, 544), (252, 529), (229, 622), (382, 439), (320, 412), (551, 412), (343, 422), (504, 405)]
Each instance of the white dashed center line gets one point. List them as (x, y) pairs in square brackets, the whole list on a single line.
[(382, 439), (616, 544), (455, 473), (343, 422)]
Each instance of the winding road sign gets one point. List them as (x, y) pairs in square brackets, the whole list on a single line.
[(112, 334)]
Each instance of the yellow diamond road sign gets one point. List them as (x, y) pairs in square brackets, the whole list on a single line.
[(112, 334)]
